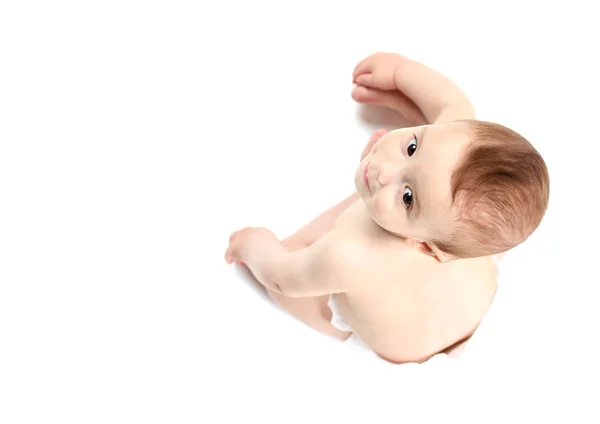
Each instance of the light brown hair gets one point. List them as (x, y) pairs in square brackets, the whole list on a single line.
[(501, 188)]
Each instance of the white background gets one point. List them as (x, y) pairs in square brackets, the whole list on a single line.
[(136, 136)]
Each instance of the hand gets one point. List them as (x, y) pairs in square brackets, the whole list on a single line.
[(375, 84), (242, 240), (377, 71)]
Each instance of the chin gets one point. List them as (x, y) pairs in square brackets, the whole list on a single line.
[(360, 188), (381, 221), (358, 179)]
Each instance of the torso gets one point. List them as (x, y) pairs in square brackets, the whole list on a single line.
[(413, 306)]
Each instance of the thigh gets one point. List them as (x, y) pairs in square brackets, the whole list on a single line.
[(313, 311)]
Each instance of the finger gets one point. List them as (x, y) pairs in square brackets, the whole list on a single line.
[(230, 258), (395, 100), (356, 68), (233, 254), (363, 67), (365, 79), (363, 94), (231, 251)]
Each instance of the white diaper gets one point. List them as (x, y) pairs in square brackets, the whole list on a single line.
[(336, 317), (338, 322)]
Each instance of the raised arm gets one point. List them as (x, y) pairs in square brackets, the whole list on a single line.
[(404, 85)]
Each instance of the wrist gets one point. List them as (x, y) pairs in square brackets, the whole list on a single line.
[(399, 66), (262, 248)]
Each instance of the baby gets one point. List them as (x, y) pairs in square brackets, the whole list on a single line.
[(406, 266)]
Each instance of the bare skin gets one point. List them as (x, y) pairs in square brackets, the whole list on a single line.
[(373, 252)]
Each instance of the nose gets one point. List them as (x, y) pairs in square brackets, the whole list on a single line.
[(387, 172)]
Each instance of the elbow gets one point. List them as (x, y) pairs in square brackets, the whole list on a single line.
[(284, 282), (288, 291), (276, 288), (282, 289), (294, 294)]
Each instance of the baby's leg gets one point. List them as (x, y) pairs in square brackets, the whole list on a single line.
[(313, 311)]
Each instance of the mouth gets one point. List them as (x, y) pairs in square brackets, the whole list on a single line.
[(366, 176)]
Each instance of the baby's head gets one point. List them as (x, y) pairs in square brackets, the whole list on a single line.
[(456, 190)]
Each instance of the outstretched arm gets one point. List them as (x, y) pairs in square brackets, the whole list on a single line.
[(404, 84), (316, 270)]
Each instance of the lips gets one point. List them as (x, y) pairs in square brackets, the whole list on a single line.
[(366, 177)]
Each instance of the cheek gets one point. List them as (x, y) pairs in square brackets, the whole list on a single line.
[(381, 205), (384, 207)]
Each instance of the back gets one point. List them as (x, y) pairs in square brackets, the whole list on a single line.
[(407, 306)]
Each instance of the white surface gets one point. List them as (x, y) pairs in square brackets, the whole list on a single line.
[(134, 137)]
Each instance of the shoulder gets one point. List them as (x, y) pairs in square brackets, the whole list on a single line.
[(357, 259), (479, 272), (341, 249)]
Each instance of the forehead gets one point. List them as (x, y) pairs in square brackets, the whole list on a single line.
[(443, 144)]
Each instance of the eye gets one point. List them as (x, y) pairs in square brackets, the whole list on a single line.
[(407, 197), (412, 146)]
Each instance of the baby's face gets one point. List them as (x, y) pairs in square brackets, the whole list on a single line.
[(405, 179)]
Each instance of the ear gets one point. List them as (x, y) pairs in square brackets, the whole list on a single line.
[(430, 250), (440, 255)]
